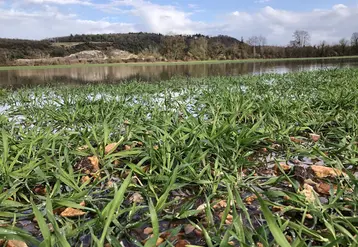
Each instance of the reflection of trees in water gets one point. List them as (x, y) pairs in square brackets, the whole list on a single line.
[(160, 72)]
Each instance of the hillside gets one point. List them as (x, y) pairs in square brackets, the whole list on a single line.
[(150, 47)]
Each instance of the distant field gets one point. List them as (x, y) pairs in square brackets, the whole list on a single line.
[(173, 63)]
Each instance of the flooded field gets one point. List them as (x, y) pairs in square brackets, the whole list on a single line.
[(150, 72), (267, 160)]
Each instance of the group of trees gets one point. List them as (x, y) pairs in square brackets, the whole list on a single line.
[(176, 47), (300, 47)]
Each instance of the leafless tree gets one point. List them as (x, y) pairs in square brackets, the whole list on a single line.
[(262, 41), (354, 39), (343, 43), (301, 38), (257, 41)]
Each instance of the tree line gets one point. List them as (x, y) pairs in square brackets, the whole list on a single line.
[(176, 47)]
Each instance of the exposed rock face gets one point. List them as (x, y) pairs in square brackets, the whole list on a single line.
[(89, 56), (92, 54)]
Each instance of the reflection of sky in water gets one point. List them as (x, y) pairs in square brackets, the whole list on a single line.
[(162, 72)]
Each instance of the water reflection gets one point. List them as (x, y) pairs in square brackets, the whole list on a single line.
[(17, 78)]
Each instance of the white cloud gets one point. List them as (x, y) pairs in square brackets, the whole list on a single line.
[(50, 22), (61, 2), (277, 25)]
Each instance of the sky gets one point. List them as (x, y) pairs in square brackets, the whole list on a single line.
[(327, 20)]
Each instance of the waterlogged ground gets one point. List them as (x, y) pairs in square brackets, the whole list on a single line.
[(223, 161)]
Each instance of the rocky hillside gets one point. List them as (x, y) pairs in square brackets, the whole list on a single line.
[(139, 46)]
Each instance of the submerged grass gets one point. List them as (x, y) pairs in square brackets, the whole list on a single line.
[(195, 162)]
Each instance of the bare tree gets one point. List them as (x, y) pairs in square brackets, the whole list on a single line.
[(261, 40), (343, 43), (301, 38), (253, 41), (354, 39), (257, 41)]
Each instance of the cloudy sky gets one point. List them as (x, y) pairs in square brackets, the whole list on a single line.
[(327, 20)]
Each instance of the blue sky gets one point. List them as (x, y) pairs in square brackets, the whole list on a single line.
[(328, 20)]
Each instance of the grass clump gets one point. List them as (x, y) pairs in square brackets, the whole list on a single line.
[(224, 161)]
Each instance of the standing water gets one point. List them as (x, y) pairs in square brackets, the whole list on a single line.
[(111, 74)]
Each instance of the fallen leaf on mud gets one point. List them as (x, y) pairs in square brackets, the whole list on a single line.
[(136, 197), (284, 167), (220, 204), (309, 216), (40, 190), (109, 184), (324, 172), (88, 165), (315, 137), (182, 243), (258, 244), (296, 140), (95, 163), (308, 192), (228, 219), (148, 230), (159, 241), (250, 199), (201, 207), (110, 147), (16, 243), (277, 208), (189, 228), (310, 182), (85, 179), (72, 212), (324, 188)]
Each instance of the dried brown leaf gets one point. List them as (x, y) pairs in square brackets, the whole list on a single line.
[(136, 197), (324, 188), (189, 228), (72, 212), (250, 199), (85, 179), (148, 230), (159, 241), (110, 147), (325, 172), (296, 140), (15, 243), (315, 137), (88, 165), (182, 243), (220, 204), (284, 167), (308, 192)]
